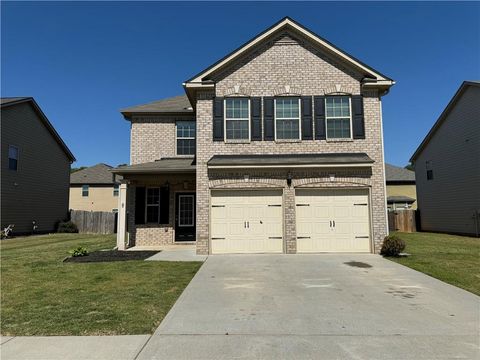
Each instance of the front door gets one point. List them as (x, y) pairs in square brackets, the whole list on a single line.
[(185, 217)]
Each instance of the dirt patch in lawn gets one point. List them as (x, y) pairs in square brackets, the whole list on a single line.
[(112, 255)]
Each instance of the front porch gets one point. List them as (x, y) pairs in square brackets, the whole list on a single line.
[(157, 204)]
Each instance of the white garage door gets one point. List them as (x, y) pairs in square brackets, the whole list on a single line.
[(246, 221), (332, 220)]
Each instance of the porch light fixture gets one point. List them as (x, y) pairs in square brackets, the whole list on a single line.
[(289, 179)]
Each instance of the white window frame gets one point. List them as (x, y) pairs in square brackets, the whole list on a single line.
[(185, 138), (116, 188), (299, 118), (178, 210), (152, 205), (338, 117), (242, 119), (88, 190), (18, 156)]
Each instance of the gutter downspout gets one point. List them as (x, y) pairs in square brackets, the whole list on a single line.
[(383, 157)]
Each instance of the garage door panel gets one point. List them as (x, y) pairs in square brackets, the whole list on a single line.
[(337, 207), (253, 221)]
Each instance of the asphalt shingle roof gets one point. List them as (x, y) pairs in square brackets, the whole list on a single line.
[(177, 104), (396, 173), (289, 159), (164, 165), (97, 174), (8, 100)]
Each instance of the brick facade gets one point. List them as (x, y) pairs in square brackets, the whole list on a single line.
[(297, 68)]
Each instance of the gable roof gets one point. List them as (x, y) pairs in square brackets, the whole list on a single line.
[(288, 23), (461, 90), (97, 174), (398, 174), (173, 105), (11, 101)]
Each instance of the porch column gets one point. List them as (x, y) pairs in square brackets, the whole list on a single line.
[(122, 217)]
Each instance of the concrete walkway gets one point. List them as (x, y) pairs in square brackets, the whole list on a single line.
[(292, 306), (178, 253)]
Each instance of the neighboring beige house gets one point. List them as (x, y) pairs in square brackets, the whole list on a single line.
[(94, 188), (276, 148), (401, 192), (35, 169), (447, 167)]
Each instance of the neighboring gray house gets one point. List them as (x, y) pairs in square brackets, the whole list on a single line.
[(401, 192), (35, 168), (276, 148), (447, 167)]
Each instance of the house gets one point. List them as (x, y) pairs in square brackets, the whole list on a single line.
[(401, 193), (94, 188), (447, 167), (276, 148), (35, 168)]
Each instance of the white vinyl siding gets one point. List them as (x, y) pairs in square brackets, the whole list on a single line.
[(287, 118), (338, 117), (237, 119)]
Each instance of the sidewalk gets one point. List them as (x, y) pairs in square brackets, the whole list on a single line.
[(125, 347)]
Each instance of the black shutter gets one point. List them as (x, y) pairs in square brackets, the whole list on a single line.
[(218, 119), (268, 118), (139, 205), (357, 117), (256, 118), (320, 133), (307, 126), (164, 205)]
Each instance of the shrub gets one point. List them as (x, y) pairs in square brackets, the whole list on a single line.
[(392, 246), (78, 251), (67, 227)]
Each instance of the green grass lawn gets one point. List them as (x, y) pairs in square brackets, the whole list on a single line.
[(41, 295), (450, 258)]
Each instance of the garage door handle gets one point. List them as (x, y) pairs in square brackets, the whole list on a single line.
[(303, 237), (361, 237), (275, 205), (333, 223), (303, 204), (218, 206), (213, 238), (363, 204), (274, 237)]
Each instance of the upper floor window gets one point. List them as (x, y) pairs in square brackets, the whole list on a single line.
[(338, 117), (116, 189), (85, 189), (13, 157), (287, 118), (429, 167), (237, 119), (185, 137)]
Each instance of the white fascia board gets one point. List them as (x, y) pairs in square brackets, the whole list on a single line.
[(308, 34)]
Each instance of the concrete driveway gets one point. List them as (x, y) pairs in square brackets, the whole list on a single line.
[(316, 307)]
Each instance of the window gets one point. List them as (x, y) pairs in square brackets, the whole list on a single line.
[(185, 137), (85, 190), (116, 189), (237, 119), (153, 205), (287, 118), (429, 166), (13, 157), (338, 117)]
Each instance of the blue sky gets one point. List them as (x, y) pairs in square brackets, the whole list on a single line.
[(83, 61)]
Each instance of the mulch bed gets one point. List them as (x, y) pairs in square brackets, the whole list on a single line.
[(111, 255)]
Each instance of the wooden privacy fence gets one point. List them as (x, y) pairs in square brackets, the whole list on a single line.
[(94, 222), (402, 220)]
